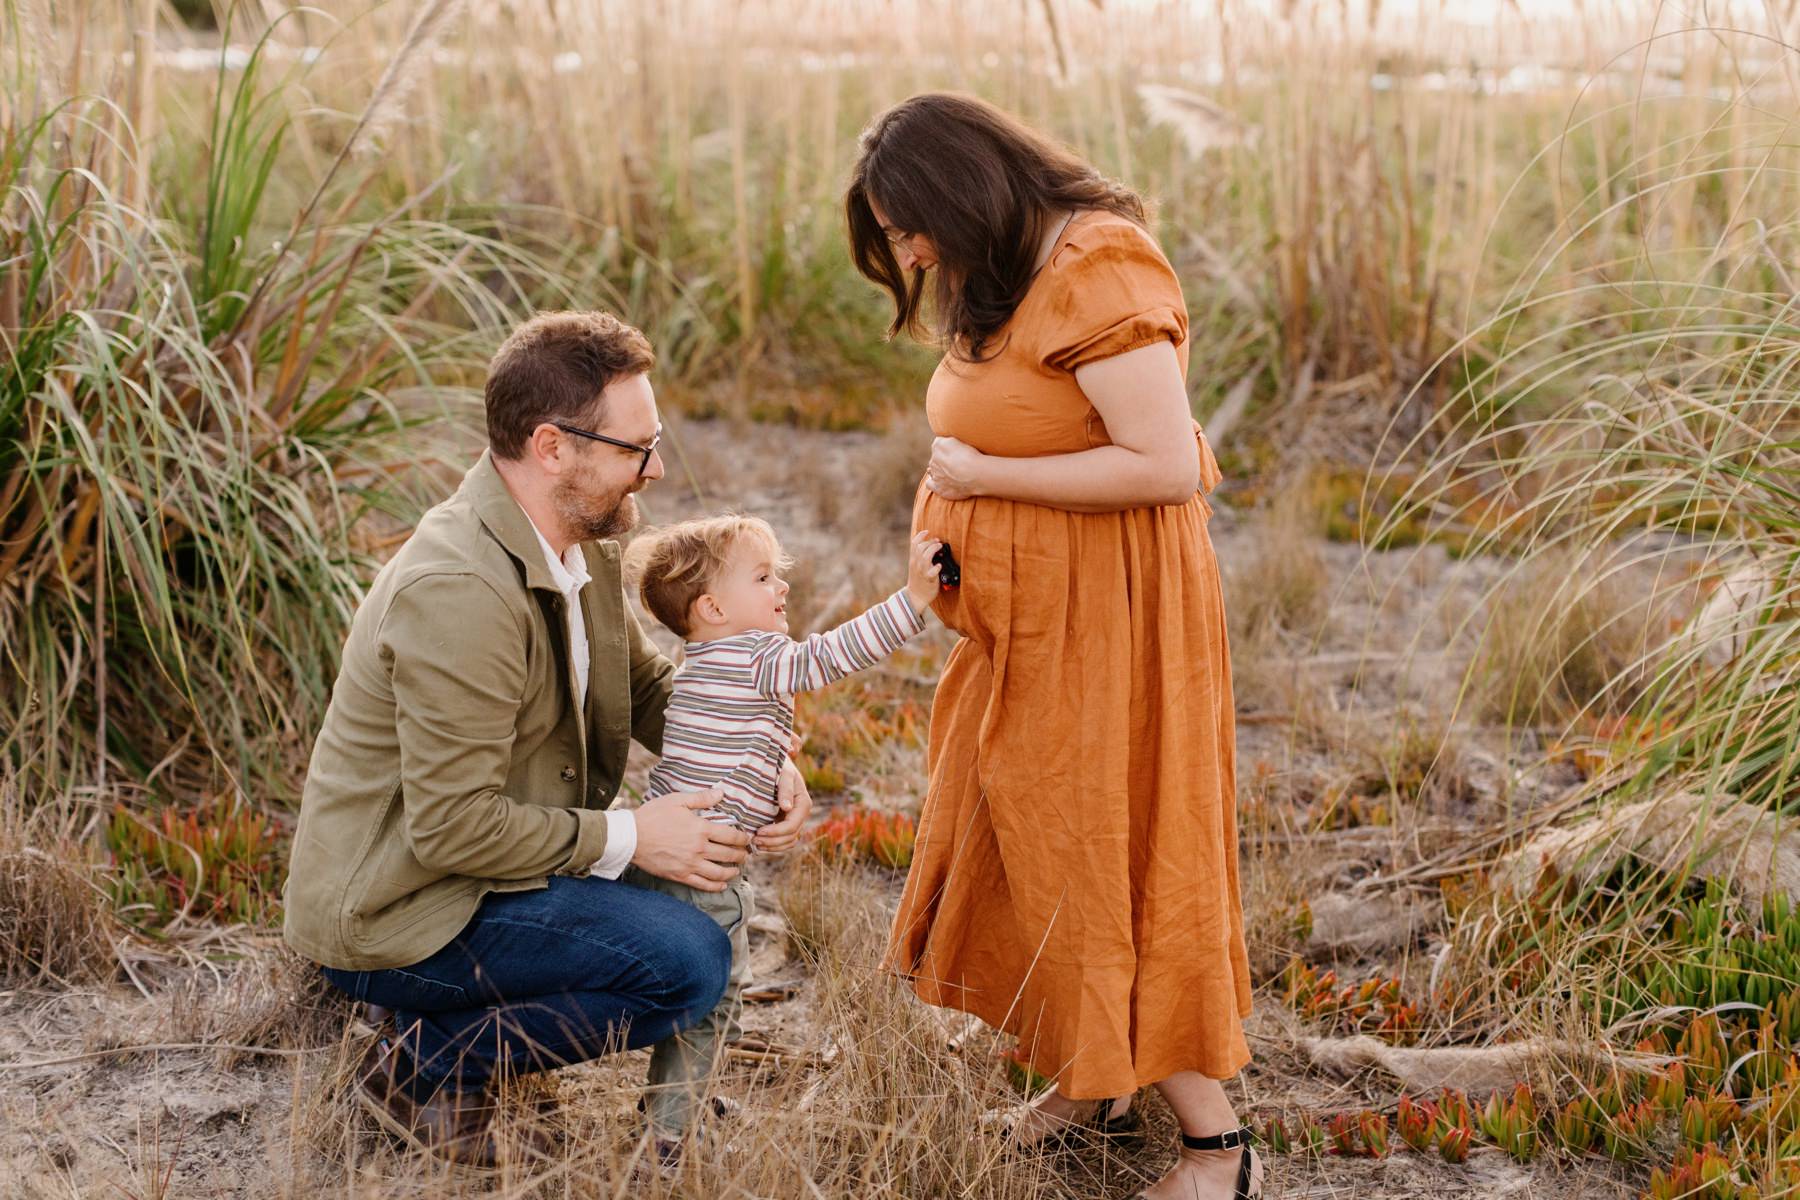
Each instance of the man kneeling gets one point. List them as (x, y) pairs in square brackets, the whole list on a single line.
[(455, 860)]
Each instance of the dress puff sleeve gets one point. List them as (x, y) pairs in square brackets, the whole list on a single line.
[(1111, 291)]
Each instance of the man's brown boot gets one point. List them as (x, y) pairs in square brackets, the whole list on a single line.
[(459, 1126), (378, 1087), (453, 1124)]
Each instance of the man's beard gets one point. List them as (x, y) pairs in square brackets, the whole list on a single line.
[(592, 518)]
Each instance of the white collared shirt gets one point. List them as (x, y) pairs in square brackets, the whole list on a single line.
[(570, 574)]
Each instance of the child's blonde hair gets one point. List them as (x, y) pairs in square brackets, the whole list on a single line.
[(674, 566)]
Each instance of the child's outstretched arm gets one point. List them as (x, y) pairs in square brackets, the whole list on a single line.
[(782, 666)]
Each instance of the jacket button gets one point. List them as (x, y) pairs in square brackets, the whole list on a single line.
[(568, 774)]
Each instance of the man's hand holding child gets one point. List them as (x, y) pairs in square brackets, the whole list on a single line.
[(676, 842)]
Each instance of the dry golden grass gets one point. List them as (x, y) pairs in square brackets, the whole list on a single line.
[(826, 905), (56, 919), (1415, 757), (1280, 594), (277, 1000), (887, 478), (1563, 635), (875, 1103), (1338, 196)]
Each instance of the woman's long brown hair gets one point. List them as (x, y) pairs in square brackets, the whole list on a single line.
[(979, 183)]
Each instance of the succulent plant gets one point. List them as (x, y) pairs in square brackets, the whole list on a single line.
[(1416, 1122), (1628, 1135), (1372, 1127), (861, 834), (1577, 1124), (1453, 1144)]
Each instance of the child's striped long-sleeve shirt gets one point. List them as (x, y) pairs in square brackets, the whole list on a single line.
[(731, 715)]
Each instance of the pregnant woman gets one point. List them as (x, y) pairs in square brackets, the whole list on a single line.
[(1075, 881)]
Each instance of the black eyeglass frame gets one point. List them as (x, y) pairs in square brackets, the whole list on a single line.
[(646, 451)]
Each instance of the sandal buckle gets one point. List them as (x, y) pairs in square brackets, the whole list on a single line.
[(1231, 1139)]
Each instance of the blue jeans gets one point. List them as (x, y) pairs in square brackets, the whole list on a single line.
[(541, 979)]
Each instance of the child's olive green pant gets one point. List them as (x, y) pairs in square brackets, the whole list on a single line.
[(681, 1062)]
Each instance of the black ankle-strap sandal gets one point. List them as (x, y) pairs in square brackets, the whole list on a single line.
[(1230, 1139), (1225, 1141)]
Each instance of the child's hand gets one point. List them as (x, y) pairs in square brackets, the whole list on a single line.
[(796, 804), (921, 572)]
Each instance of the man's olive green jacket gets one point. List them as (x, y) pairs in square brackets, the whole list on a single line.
[(452, 761)]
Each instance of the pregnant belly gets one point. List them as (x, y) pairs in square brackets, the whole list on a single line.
[(956, 522), (1030, 571), (1002, 547)]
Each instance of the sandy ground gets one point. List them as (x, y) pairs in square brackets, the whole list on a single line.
[(82, 1118)]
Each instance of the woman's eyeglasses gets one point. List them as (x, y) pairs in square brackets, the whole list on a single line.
[(646, 451)]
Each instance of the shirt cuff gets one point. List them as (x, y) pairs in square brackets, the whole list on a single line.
[(915, 618), (621, 843)]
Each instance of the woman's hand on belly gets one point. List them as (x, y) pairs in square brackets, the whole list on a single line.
[(955, 469)]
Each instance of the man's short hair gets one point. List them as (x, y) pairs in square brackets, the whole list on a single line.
[(554, 368), (676, 565)]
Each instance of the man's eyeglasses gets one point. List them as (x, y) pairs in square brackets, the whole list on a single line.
[(646, 451)]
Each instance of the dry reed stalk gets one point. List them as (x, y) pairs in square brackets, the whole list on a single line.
[(827, 181), (735, 88), (675, 71), (1056, 40), (142, 111), (381, 111)]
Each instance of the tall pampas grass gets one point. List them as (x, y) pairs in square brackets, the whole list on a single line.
[(194, 422), (385, 111), (1203, 123), (1626, 440)]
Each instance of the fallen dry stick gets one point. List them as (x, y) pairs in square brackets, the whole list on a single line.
[(152, 1048), (1468, 1068), (767, 1058), (769, 992), (757, 1050), (1746, 846)]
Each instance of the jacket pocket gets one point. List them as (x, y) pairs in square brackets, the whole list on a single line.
[(389, 891), (351, 899)]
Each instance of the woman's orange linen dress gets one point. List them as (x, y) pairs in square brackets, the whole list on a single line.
[(1075, 879)]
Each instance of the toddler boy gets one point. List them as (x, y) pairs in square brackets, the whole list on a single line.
[(717, 582)]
